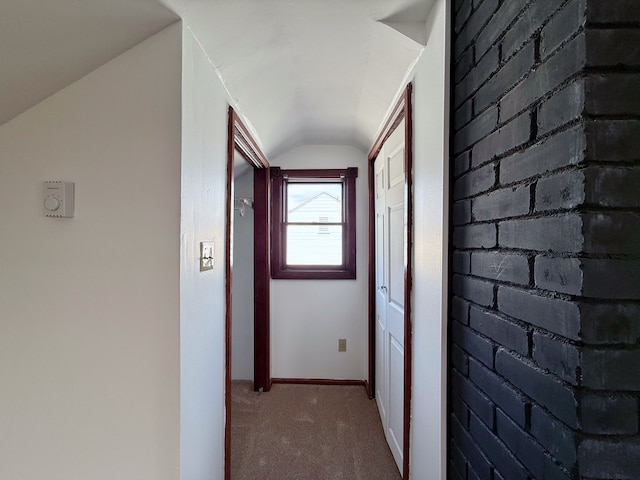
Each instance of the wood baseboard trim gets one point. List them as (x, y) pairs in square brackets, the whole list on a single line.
[(318, 381)]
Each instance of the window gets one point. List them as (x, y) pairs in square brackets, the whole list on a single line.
[(322, 229), (313, 225)]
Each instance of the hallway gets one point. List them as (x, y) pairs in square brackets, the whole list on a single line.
[(307, 432), (125, 358), (525, 133)]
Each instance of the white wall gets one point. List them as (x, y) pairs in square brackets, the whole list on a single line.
[(242, 344), (430, 137), (309, 316), (89, 306), (202, 304)]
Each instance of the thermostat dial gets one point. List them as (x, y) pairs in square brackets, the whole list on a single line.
[(52, 203)]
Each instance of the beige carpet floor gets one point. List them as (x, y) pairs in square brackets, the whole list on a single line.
[(307, 432)]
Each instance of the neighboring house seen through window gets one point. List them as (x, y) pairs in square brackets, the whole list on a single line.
[(313, 223)]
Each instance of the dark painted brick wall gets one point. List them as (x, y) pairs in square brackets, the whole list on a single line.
[(545, 311)]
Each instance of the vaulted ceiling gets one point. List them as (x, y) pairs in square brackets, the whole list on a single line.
[(300, 71)]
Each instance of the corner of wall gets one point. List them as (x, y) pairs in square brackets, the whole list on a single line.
[(202, 303), (430, 270)]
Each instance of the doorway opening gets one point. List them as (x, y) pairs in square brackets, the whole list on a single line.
[(243, 153), (398, 128)]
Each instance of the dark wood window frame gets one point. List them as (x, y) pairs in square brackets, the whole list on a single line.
[(279, 268)]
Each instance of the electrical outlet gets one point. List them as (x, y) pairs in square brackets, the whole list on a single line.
[(342, 344)]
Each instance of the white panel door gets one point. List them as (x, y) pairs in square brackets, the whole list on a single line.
[(381, 281), (390, 232)]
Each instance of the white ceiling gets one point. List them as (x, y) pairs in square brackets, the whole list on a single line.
[(46, 45), (300, 71), (308, 71)]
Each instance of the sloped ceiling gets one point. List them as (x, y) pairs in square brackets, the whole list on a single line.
[(310, 71), (46, 45), (299, 71)]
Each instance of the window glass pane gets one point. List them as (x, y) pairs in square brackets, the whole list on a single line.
[(314, 245), (314, 202)]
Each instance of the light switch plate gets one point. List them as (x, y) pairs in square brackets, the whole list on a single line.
[(206, 256)]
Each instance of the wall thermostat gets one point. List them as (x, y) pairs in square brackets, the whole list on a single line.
[(58, 199)]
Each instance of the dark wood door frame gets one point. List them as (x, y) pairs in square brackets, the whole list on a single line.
[(401, 111), (239, 137)]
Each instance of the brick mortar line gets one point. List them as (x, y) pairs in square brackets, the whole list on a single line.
[(523, 252), (582, 166), (525, 181), (525, 360), (567, 297), (531, 142), (531, 363), (612, 26), (580, 435), (536, 328), (634, 116), (500, 37), (582, 209), (579, 31), (534, 440), (537, 64), (527, 216)]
